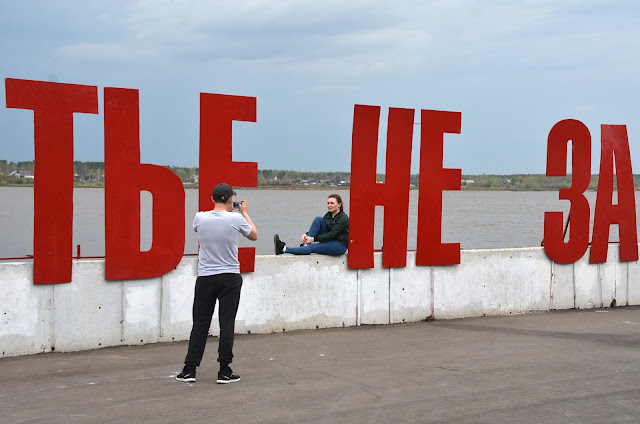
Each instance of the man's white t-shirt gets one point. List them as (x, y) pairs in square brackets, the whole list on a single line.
[(218, 236)]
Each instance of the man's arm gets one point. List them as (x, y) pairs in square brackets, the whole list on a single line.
[(196, 223), (244, 210)]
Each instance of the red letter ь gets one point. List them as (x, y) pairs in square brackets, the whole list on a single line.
[(53, 106), (433, 180), (366, 192), (615, 144), (125, 177), (217, 113), (554, 244)]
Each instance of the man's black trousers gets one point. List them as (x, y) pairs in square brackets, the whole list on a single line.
[(226, 289)]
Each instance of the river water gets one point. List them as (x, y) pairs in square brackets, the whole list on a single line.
[(476, 220)]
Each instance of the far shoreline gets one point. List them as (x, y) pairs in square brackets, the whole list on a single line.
[(308, 188)]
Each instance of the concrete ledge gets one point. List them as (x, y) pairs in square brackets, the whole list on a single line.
[(493, 282), (299, 292)]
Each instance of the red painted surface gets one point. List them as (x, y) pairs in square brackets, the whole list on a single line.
[(363, 194), (217, 113), (434, 178), (556, 248), (615, 144), (53, 106), (125, 178), (366, 193)]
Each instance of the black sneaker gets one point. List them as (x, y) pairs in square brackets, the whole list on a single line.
[(228, 377), (186, 376), (278, 245)]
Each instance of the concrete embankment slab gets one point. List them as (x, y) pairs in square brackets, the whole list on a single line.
[(554, 367), (286, 293)]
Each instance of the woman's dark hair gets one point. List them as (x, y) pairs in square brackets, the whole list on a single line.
[(338, 199)]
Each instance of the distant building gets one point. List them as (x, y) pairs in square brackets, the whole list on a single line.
[(21, 174)]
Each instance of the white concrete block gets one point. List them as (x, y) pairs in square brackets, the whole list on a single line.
[(411, 297), (613, 278), (587, 283), (493, 282), (633, 283), (622, 275), (297, 292), (563, 293), (177, 300), (141, 303), (374, 293), (622, 284), (25, 311), (87, 312)]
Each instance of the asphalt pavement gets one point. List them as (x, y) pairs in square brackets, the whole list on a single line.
[(555, 367)]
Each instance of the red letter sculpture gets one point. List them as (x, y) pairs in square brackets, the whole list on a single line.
[(554, 244), (217, 113), (433, 180), (366, 193), (615, 144), (53, 106), (125, 177)]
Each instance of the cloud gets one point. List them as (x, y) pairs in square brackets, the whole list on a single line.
[(295, 36), (328, 89), (352, 38), (109, 52), (104, 16)]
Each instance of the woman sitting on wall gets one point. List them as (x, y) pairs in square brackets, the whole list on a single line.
[(328, 235)]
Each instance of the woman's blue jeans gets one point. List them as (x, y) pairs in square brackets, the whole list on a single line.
[(333, 247)]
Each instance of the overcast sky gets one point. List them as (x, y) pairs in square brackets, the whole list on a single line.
[(513, 68)]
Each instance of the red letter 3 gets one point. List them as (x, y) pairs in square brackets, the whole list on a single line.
[(557, 250)]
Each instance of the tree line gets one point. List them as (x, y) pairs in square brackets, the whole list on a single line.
[(91, 174)]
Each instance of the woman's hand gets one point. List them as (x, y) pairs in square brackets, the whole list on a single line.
[(305, 239)]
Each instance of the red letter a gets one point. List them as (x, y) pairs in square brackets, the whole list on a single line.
[(615, 143), (366, 192), (53, 105), (125, 177)]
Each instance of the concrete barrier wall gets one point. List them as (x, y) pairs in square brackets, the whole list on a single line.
[(299, 292)]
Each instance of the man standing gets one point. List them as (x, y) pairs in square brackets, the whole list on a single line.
[(218, 279)]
